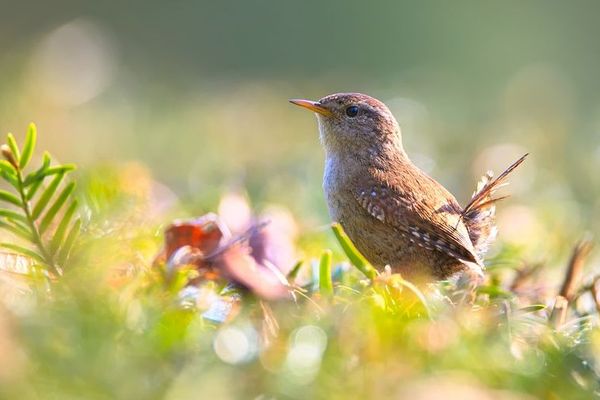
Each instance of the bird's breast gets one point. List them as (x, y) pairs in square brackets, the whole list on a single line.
[(333, 186), (338, 179)]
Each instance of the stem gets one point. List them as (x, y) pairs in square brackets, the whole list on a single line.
[(575, 269), (325, 282), (36, 237), (357, 259)]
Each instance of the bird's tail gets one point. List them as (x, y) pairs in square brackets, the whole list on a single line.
[(480, 214)]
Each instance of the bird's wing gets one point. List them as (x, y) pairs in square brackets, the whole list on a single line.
[(426, 214)]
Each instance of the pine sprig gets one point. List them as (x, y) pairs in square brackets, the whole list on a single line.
[(42, 213)]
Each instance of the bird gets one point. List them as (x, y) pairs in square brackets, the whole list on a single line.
[(396, 215)]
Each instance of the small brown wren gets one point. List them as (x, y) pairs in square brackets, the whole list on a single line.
[(395, 213)]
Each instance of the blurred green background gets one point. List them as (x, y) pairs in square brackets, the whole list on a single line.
[(173, 109), (196, 91)]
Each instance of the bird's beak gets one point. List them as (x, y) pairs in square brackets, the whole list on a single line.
[(312, 106)]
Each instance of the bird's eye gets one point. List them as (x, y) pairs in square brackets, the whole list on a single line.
[(352, 111)]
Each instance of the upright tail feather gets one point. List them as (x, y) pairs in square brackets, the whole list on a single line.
[(480, 214)]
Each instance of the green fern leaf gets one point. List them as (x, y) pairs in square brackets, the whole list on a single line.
[(62, 227), (50, 202), (60, 200), (35, 179), (59, 168), (10, 198), (45, 197), (29, 193), (7, 167), (45, 172), (29, 145), (69, 241), (12, 143), (13, 215), (17, 230), (10, 178), (24, 251)]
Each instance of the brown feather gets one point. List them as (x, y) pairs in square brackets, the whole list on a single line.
[(489, 189), (480, 214), (430, 221)]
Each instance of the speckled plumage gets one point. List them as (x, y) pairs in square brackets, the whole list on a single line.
[(395, 213)]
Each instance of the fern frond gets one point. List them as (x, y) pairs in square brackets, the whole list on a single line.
[(47, 231)]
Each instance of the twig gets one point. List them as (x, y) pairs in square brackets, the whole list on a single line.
[(237, 239), (559, 312), (575, 268), (586, 288), (524, 274)]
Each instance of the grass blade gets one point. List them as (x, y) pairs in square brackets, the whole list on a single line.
[(60, 200), (325, 283), (533, 308), (10, 198), (45, 197), (357, 259), (291, 276), (29, 145), (410, 286)]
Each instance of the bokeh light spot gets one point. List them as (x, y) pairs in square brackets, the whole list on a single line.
[(234, 345), (74, 63)]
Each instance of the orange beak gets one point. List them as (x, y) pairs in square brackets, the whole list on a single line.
[(312, 106)]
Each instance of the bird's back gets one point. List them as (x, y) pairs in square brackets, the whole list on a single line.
[(399, 216)]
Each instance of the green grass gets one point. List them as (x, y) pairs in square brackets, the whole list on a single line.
[(111, 325)]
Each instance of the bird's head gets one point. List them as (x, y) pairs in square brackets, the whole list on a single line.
[(354, 122)]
